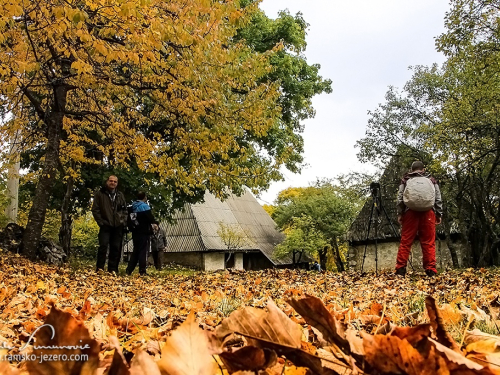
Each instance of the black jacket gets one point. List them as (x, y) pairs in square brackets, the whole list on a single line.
[(109, 209), (144, 217)]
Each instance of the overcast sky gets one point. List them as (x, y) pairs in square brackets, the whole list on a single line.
[(363, 46)]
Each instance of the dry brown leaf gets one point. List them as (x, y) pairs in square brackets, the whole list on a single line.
[(451, 314), (329, 361), (319, 336), (248, 358), (491, 361), (455, 357), (272, 325), (477, 336), (376, 309), (153, 347), (483, 348), (315, 313), (119, 364), (390, 354), (355, 342), (412, 334), (67, 332), (5, 367), (271, 329), (294, 370), (442, 336), (385, 329), (186, 351), (147, 316), (143, 364), (86, 309)]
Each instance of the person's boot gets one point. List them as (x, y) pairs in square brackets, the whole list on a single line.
[(430, 273), (401, 271)]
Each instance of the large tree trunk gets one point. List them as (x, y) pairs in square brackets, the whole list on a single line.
[(323, 257), (36, 217), (66, 219), (451, 246), (13, 179), (336, 255)]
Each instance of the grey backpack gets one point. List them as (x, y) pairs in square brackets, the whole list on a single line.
[(419, 194)]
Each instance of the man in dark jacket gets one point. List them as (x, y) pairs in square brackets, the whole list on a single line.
[(423, 222), (110, 212), (141, 233), (158, 244)]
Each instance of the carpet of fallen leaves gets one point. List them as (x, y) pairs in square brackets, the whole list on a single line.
[(236, 322)]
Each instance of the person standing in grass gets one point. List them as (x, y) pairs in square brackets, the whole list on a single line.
[(420, 209), (158, 245), (109, 209), (142, 224)]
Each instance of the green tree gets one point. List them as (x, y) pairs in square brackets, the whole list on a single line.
[(87, 83), (448, 117), (322, 214), (471, 119), (181, 154), (301, 238), (298, 81), (233, 237)]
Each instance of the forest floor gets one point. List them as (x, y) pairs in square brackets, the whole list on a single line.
[(131, 315)]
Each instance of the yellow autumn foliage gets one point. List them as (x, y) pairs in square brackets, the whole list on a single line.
[(97, 77)]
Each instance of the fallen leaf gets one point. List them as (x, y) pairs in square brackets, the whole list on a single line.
[(248, 358), (442, 336), (390, 354), (272, 325), (315, 313), (412, 334), (455, 357), (143, 364), (186, 351), (59, 334), (483, 348), (355, 342), (119, 364)]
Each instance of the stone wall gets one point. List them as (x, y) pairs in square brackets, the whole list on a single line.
[(387, 252), (238, 261), (213, 261), (188, 259)]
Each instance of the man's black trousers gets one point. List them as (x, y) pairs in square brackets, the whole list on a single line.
[(140, 253), (111, 237)]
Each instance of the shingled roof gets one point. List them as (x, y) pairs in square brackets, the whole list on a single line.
[(196, 227)]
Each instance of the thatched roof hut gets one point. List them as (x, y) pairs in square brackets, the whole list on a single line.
[(378, 248), (386, 226)]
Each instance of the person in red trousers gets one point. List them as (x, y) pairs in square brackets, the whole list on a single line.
[(421, 222)]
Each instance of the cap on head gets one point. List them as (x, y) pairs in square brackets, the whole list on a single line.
[(417, 166)]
